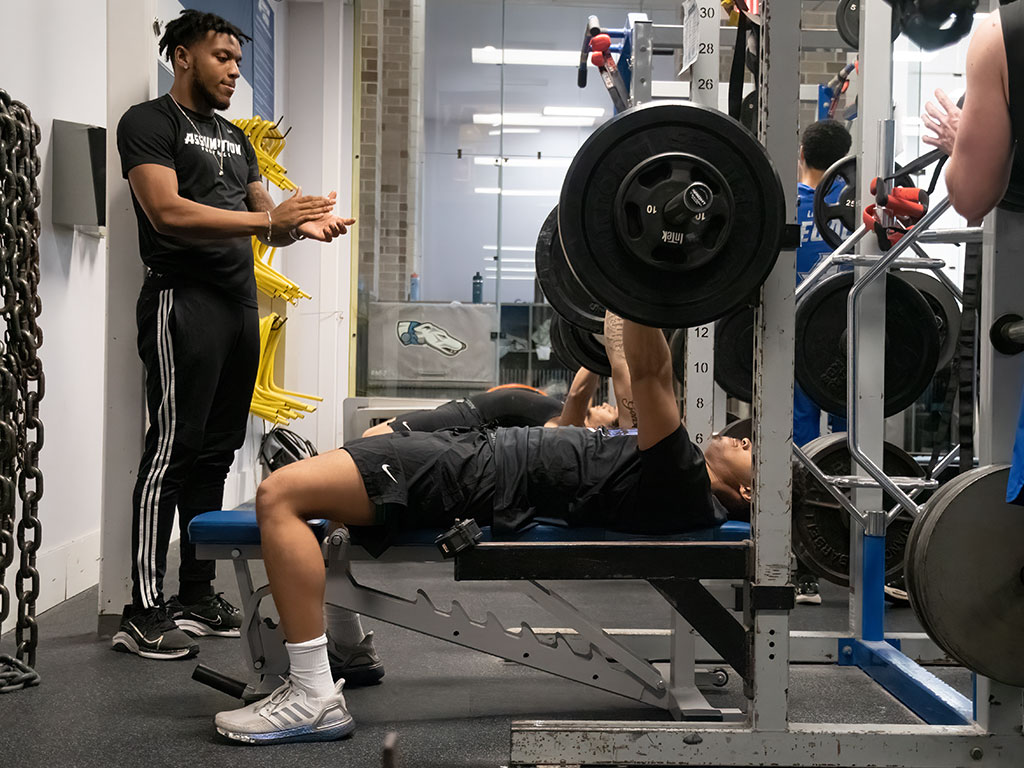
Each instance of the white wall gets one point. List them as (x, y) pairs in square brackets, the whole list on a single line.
[(318, 155), (64, 80)]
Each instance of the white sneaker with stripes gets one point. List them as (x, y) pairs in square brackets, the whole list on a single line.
[(288, 714)]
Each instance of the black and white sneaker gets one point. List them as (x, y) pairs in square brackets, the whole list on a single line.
[(150, 633), (807, 591), (211, 615), (357, 664)]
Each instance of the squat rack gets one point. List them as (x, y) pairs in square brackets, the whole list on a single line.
[(990, 733)]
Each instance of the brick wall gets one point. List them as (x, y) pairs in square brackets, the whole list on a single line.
[(391, 128)]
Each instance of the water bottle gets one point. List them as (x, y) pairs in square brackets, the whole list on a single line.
[(414, 287), (478, 288)]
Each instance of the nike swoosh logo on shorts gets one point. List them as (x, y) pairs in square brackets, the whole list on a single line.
[(387, 470), (406, 423)]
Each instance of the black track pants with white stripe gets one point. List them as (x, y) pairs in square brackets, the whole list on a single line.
[(201, 351)]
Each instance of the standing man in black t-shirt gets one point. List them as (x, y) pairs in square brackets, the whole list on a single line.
[(198, 198), (654, 481)]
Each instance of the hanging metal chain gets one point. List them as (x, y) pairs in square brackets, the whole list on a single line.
[(22, 384)]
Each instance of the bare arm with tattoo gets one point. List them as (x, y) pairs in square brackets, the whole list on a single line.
[(620, 370)]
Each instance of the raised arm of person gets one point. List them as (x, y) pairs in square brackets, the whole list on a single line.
[(650, 371), (574, 410), (979, 168), (613, 343)]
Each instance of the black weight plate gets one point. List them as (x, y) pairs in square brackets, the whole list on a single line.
[(848, 22), (577, 348), (738, 429), (677, 346), (844, 211), (821, 527), (670, 294), (911, 343), (560, 286), (945, 308), (734, 354), (966, 574)]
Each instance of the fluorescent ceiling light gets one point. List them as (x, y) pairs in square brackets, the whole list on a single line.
[(530, 118), (541, 57), (491, 260), (517, 192), (574, 111), (510, 269), (524, 162), (531, 278), (500, 131), (526, 248)]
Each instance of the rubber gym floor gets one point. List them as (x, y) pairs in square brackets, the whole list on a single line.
[(450, 707)]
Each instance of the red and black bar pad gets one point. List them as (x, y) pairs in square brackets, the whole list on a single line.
[(906, 205)]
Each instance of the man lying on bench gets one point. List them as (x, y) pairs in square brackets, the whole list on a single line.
[(655, 481), (510, 405)]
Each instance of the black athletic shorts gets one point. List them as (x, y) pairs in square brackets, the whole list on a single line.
[(454, 413), (424, 480)]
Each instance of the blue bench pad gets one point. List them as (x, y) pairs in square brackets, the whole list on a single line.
[(237, 527)]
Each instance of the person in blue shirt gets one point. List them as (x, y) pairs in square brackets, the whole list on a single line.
[(823, 143)]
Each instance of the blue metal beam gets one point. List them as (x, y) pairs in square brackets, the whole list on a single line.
[(916, 688)]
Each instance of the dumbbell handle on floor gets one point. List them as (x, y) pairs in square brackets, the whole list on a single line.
[(1007, 334)]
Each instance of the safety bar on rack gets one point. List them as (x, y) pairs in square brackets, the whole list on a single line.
[(853, 352)]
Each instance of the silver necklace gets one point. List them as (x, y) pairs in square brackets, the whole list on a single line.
[(220, 138)]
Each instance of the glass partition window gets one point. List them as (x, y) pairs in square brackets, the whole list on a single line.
[(500, 118)]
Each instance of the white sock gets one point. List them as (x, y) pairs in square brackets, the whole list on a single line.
[(343, 626), (309, 667)]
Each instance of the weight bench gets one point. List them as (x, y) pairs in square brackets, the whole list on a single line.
[(585, 653)]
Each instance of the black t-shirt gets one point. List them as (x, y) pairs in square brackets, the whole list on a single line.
[(158, 132), (600, 478)]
